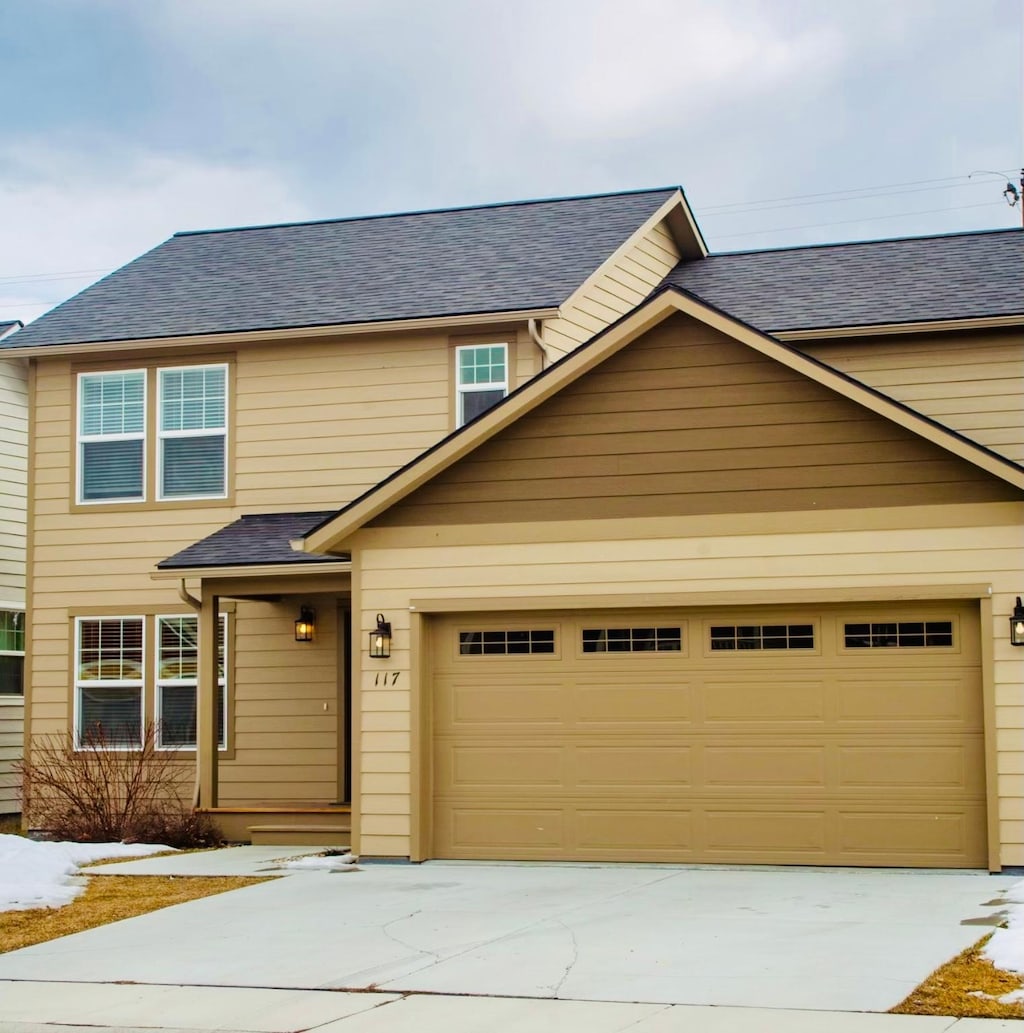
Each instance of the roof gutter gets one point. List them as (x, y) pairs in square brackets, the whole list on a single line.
[(282, 334), (878, 329)]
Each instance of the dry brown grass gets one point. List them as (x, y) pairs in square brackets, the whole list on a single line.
[(947, 991), (109, 898)]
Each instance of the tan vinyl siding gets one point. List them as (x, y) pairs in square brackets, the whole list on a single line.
[(311, 425), (810, 556), (618, 286), (11, 732), (971, 382), (13, 473), (688, 421)]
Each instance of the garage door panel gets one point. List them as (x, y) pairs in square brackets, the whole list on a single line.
[(745, 833), (746, 698), (493, 699), (826, 756), (632, 698), (939, 838), (928, 767), (467, 767), (504, 832), (940, 700), (748, 766), (643, 832)]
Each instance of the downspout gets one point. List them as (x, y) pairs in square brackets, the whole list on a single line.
[(191, 600), (545, 348)]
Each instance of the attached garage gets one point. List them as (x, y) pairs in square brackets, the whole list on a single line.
[(847, 735)]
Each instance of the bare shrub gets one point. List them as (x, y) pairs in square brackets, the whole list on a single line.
[(101, 792)]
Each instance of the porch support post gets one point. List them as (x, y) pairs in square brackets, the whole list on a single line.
[(206, 703)]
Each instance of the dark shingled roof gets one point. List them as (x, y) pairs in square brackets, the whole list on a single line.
[(499, 258), (7, 325), (254, 540), (917, 279)]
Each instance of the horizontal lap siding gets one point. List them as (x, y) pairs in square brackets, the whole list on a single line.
[(646, 557), (313, 424), (11, 734), (686, 420), (973, 382), (13, 478), (620, 285)]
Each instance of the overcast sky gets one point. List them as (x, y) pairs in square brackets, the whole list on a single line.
[(786, 121)]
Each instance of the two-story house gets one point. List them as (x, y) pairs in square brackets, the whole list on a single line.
[(535, 531)]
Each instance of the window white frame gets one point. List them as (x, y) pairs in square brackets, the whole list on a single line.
[(17, 615), (162, 682), (465, 388), (152, 436), (132, 684), (83, 439), (163, 436)]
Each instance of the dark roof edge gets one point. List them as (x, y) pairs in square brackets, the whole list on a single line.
[(311, 560), (275, 329), (430, 211), (866, 243), (854, 327)]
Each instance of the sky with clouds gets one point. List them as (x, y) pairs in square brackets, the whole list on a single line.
[(786, 121)]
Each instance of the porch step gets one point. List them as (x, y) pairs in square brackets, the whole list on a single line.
[(300, 835)]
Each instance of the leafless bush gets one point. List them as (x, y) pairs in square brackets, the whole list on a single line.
[(101, 792)]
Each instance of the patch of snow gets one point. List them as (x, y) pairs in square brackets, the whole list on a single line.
[(322, 862), (1006, 948), (40, 874)]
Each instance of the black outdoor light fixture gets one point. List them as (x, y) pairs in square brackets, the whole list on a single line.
[(305, 625), (1017, 625), (380, 639)]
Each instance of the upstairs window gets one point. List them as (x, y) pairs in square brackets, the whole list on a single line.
[(481, 378), (120, 440), (112, 436), (192, 431)]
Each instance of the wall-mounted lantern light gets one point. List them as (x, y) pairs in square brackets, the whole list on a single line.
[(380, 639), (305, 625), (1017, 625)]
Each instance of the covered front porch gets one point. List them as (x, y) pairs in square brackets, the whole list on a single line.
[(274, 711)]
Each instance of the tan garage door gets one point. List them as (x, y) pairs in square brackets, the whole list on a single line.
[(823, 736)]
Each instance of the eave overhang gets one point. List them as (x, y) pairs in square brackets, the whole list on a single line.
[(285, 333), (921, 327), (265, 570)]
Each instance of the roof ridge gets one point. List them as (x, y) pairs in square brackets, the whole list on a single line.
[(428, 211), (866, 243)]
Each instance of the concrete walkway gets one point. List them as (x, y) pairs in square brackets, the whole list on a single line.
[(496, 948), (54, 1007)]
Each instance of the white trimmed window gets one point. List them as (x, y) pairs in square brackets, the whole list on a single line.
[(481, 378), (192, 431), (190, 424), (112, 436), (12, 653), (109, 666), (177, 670)]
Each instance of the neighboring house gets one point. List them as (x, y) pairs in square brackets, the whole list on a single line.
[(533, 531), (13, 466)]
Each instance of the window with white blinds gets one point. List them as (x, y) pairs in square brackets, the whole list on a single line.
[(190, 424), (177, 672)]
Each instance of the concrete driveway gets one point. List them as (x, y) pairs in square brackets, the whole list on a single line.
[(839, 939)]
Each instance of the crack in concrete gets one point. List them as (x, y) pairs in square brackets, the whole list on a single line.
[(556, 989), (386, 930)]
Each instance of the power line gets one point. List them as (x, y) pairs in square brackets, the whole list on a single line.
[(765, 207), (869, 218)]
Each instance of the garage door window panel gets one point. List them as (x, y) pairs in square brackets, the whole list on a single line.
[(664, 639), (756, 638), (913, 634), (507, 642)]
